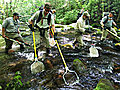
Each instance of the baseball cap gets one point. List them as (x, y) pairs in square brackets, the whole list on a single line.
[(86, 14), (48, 5), (16, 14)]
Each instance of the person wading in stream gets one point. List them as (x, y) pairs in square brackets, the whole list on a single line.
[(80, 28), (107, 23), (42, 19), (10, 29)]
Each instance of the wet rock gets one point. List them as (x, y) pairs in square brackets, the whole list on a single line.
[(49, 64), (104, 84), (78, 65), (116, 68), (59, 26), (43, 82)]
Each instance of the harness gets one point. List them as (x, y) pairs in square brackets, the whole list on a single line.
[(42, 30), (105, 23), (106, 20), (40, 17)]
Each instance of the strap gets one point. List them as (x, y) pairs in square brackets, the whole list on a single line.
[(40, 16), (49, 18), (105, 20)]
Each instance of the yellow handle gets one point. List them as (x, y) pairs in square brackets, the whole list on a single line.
[(52, 31), (61, 54), (34, 45), (59, 50), (113, 34)]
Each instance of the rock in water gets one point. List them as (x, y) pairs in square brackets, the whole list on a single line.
[(104, 84)]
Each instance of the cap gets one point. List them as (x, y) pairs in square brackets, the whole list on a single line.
[(16, 14), (53, 10), (86, 14), (113, 12), (48, 5)]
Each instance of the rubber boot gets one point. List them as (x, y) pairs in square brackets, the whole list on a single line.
[(6, 50), (22, 47), (48, 52)]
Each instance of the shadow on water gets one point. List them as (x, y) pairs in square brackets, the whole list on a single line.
[(107, 66)]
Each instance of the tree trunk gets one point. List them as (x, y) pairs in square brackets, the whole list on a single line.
[(10, 7), (6, 9)]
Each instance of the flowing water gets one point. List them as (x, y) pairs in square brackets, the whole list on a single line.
[(107, 65)]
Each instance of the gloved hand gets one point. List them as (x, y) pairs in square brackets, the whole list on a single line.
[(117, 27), (31, 28)]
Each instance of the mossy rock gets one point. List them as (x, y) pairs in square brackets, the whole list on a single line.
[(78, 65), (118, 33), (71, 27), (104, 84), (59, 26), (0, 87), (99, 32), (62, 29)]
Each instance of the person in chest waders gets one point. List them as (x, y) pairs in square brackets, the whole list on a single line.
[(42, 19), (107, 23), (80, 28), (10, 29)]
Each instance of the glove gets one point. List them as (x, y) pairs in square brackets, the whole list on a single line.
[(117, 27), (31, 28)]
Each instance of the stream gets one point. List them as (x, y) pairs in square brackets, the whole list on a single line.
[(106, 66)]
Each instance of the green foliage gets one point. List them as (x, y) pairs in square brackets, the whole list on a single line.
[(95, 25), (66, 11), (1, 21), (0, 87), (70, 16), (104, 84), (16, 83)]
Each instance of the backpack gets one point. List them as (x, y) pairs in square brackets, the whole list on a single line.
[(40, 16), (105, 20), (79, 15)]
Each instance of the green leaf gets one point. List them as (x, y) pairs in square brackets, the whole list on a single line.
[(0, 87), (18, 73), (17, 77)]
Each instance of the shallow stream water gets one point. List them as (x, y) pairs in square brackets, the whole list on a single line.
[(107, 65)]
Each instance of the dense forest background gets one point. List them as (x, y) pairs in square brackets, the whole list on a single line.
[(66, 10)]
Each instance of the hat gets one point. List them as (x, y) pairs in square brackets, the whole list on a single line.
[(16, 14), (86, 14), (113, 12), (48, 5), (53, 10)]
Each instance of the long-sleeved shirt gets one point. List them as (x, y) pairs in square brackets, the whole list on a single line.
[(109, 22), (10, 25), (80, 25), (45, 22)]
